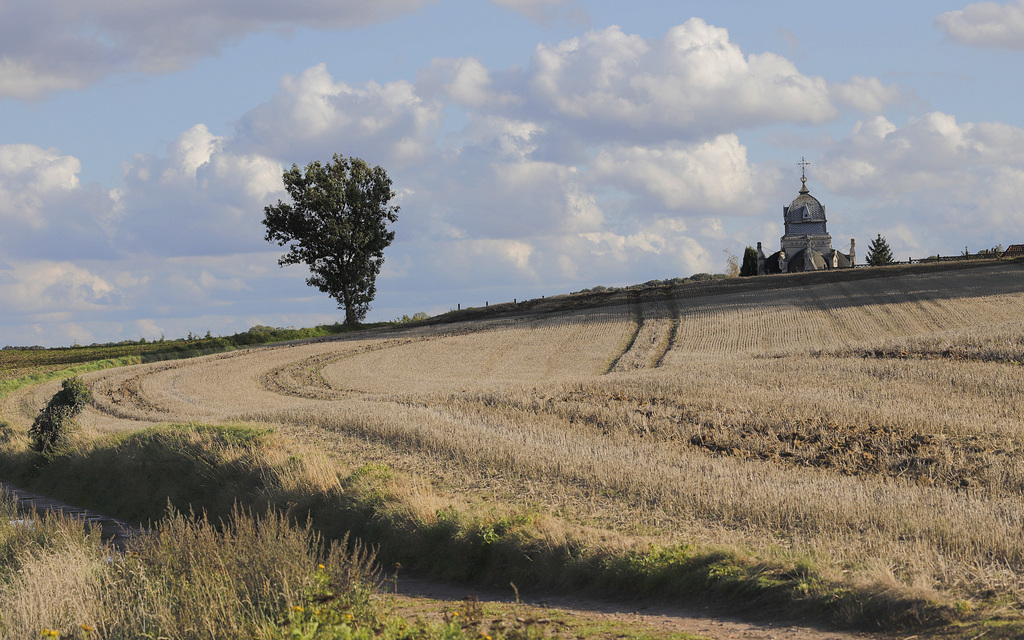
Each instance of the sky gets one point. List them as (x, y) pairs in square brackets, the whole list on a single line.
[(536, 147)]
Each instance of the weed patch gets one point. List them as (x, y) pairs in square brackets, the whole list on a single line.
[(215, 470)]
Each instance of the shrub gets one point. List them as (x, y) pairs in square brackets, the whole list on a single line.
[(419, 316), (52, 428)]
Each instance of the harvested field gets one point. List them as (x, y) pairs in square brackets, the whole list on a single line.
[(873, 426)]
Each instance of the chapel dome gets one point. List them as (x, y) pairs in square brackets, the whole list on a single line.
[(805, 208)]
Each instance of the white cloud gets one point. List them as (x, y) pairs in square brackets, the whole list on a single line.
[(484, 182), (206, 199), (693, 83), (463, 81), (387, 124), (45, 286), (903, 237), (148, 327), (662, 246), (48, 45), (691, 178), (932, 151), (713, 228), (513, 252), (985, 24), (460, 263), (582, 209), (209, 282), (190, 151), (953, 182), (54, 302), (19, 80), (867, 95), (30, 177), (470, 83), (45, 211)]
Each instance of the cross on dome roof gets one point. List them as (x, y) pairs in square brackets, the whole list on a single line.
[(803, 164)]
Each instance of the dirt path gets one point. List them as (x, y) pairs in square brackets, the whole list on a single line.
[(116, 531), (428, 599)]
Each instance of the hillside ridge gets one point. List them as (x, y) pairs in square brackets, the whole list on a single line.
[(636, 294)]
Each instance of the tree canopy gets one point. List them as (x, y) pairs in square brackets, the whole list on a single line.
[(749, 266), (879, 253), (337, 226)]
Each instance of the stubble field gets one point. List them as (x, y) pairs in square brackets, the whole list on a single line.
[(871, 428)]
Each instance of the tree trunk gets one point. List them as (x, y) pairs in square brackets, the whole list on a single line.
[(350, 312)]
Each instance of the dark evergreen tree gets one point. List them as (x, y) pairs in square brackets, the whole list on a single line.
[(879, 253), (337, 226), (749, 266)]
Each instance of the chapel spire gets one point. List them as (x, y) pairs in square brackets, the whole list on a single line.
[(803, 164)]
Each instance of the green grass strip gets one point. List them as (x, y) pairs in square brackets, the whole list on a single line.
[(7, 386)]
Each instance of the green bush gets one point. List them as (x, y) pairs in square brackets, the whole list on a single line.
[(419, 316), (52, 428)]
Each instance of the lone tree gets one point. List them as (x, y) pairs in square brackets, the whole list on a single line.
[(749, 266), (879, 253), (337, 226)]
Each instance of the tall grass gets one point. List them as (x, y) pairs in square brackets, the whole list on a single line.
[(187, 579), (189, 562)]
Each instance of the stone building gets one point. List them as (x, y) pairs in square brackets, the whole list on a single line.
[(806, 245), (1014, 251)]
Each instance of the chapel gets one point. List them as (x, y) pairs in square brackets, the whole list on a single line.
[(806, 245)]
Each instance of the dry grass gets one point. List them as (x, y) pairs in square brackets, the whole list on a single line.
[(188, 579), (873, 426)]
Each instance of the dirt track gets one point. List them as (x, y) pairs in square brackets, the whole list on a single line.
[(417, 597)]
